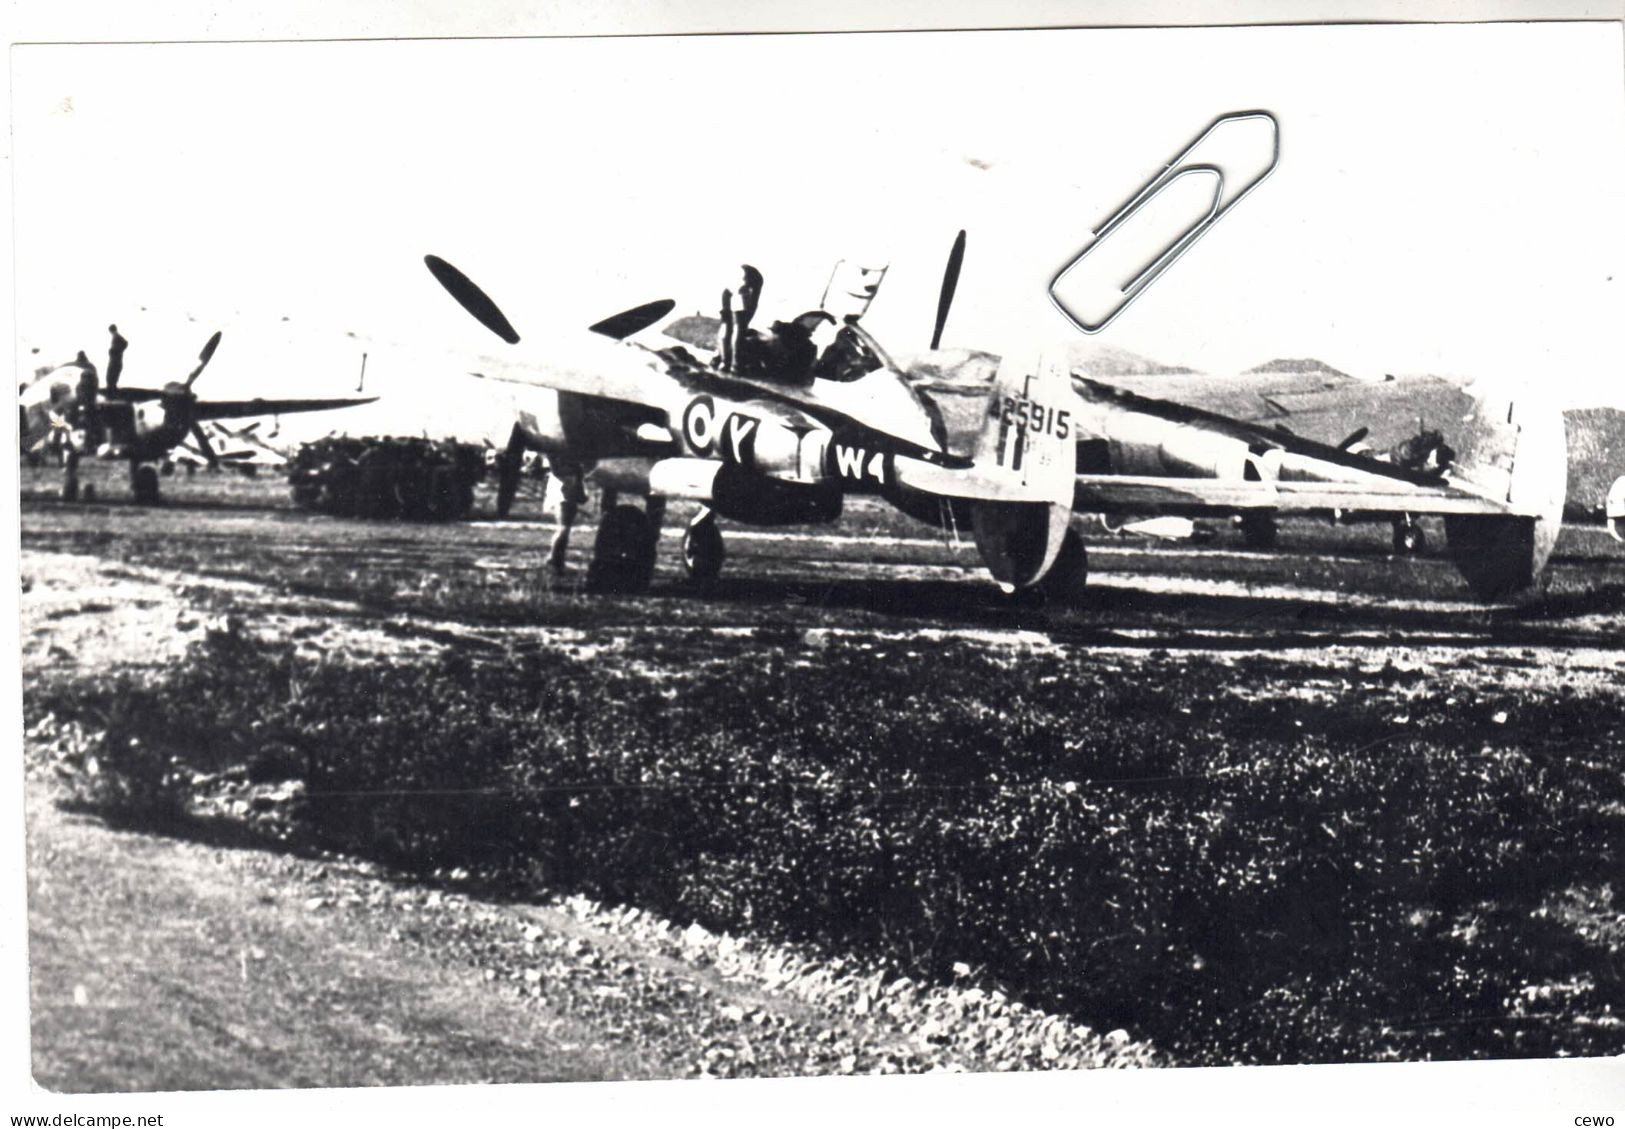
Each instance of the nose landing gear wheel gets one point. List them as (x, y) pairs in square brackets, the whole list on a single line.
[(623, 554), (703, 550)]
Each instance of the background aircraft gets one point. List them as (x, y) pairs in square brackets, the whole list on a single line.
[(69, 411), (240, 449), (1414, 421)]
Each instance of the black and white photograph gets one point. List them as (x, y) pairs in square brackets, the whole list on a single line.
[(648, 557)]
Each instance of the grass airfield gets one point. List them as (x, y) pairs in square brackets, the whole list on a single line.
[(1303, 805)]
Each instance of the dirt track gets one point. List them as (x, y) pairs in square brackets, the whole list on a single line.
[(1333, 594)]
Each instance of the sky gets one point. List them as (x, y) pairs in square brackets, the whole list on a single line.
[(1446, 198)]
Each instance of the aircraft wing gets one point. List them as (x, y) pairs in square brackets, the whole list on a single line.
[(1199, 497), (629, 373), (242, 409), (613, 372)]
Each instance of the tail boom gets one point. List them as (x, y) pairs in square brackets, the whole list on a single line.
[(1515, 453), (1019, 488)]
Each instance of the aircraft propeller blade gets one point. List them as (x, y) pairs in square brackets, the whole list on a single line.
[(203, 443), (950, 281), (1353, 437), (624, 324), (471, 298), (204, 357)]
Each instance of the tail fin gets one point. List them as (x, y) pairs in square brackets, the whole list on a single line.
[(1028, 442), (1027, 454), (1614, 509), (1514, 451)]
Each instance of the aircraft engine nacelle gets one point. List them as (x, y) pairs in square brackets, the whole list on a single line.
[(1614, 509), (1144, 444), (774, 442), (739, 495), (151, 418), (147, 425), (755, 436)]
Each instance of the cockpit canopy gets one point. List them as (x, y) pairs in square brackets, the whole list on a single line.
[(853, 355)]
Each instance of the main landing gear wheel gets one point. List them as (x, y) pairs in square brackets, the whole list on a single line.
[(1065, 581), (1258, 530), (623, 554), (703, 550), (1408, 537), (144, 484)]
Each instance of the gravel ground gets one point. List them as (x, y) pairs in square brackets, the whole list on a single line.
[(644, 997)]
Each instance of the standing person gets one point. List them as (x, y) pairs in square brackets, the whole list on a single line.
[(725, 334), (736, 325), (84, 416), (115, 357), (750, 294), (86, 388)]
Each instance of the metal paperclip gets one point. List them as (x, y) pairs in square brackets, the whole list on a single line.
[(1165, 258)]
